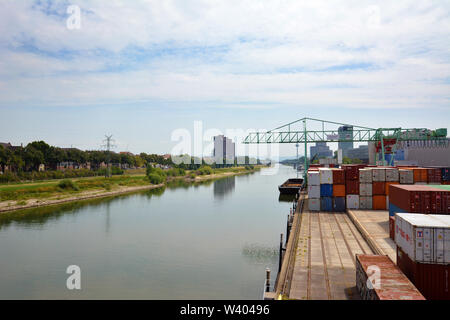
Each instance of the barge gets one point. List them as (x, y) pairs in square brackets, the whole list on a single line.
[(291, 186)]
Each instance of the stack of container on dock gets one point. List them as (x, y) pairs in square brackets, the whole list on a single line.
[(339, 190), (423, 252), (352, 185), (313, 190), (326, 189)]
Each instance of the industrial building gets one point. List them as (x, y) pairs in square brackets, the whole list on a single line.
[(346, 133), (321, 150), (224, 150), (362, 153)]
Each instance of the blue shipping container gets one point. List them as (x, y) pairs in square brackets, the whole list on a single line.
[(326, 190), (339, 204), (399, 155), (326, 204), (393, 209)]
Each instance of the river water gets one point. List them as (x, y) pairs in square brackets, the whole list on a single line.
[(206, 241)]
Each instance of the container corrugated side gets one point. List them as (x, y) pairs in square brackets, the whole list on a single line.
[(378, 278), (365, 175), (365, 189), (424, 238), (313, 178), (326, 176), (432, 280)]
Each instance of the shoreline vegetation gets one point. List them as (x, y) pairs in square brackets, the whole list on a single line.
[(51, 192)]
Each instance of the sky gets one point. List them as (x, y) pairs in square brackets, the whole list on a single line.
[(142, 69)]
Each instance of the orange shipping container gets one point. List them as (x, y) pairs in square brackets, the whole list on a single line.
[(387, 186), (379, 203), (420, 175), (338, 190)]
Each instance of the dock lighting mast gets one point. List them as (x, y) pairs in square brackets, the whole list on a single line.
[(385, 138), (108, 146)]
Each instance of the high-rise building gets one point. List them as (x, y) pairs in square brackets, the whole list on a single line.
[(361, 153), (224, 150), (345, 132), (321, 149)]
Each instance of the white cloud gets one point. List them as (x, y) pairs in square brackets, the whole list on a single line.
[(321, 53)]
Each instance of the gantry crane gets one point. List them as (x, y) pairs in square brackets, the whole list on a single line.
[(387, 140)]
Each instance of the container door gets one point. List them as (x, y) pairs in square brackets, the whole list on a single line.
[(439, 245), (447, 245), (428, 245)]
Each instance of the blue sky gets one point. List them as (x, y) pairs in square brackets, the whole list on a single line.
[(141, 69)]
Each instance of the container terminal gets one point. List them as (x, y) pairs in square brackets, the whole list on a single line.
[(371, 231)]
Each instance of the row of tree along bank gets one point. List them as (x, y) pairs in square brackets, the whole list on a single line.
[(40, 161), (26, 195)]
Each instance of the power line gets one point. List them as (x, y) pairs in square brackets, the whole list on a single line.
[(108, 147)]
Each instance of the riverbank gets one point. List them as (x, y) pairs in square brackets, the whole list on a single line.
[(45, 194)]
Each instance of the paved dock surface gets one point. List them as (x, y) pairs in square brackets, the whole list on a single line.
[(324, 267), (375, 225)]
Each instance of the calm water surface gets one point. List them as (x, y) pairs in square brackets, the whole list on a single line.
[(207, 241)]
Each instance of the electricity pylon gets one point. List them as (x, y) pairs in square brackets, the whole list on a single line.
[(108, 147)]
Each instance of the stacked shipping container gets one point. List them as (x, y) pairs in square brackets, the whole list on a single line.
[(352, 185), (423, 252), (365, 187), (419, 199)]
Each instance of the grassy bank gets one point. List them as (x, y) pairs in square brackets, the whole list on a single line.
[(21, 195)]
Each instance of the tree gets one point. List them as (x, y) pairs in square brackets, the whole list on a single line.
[(32, 157), (5, 155)]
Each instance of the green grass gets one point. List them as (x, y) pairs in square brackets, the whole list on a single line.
[(60, 188)]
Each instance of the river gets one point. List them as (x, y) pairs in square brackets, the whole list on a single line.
[(212, 240)]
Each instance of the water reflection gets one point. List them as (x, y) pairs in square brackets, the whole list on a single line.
[(286, 198), (224, 186), (259, 254), (42, 215)]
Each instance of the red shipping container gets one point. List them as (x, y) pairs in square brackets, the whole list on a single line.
[(338, 176), (388, 183), (437, 203), (352, 186), (351, 171), (446, 202), (432, 280), (391, 284), (434, 175), (392, 227), (407, 197), (379, 188)]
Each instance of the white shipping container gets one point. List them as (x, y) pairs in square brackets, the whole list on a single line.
[(365, 175), (424, 237), (352, 201), (365, 189), (421, 183), (392, 174), (313, 178), (365, 202), (326, 176), (378, 174), (314, 204), (406, 176), (313, 191)]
